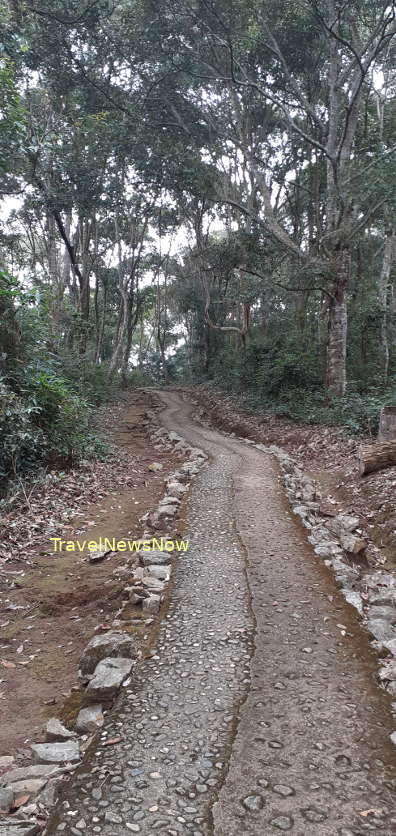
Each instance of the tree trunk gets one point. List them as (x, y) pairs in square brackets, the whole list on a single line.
[(383, 287), (115, 359), (132, 319), (100, 332), (387, 424), (377, 457), (337, 331)]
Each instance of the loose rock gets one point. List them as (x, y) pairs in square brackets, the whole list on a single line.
[(11, 827), (6, 761), (6, 799), (55, 730), (105, 646), (352, 544), (97, 557), (152, 604), (107, 679), (380, 629), (160, 572), (56, 752), (22, 773), (253, 803), (31, 786), (90, 719), (155, 558), (282, 823)]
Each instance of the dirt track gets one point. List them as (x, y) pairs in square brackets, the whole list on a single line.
[(300, 743)]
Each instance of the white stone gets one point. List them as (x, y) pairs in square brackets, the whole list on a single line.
[(155, 558), (353, 598), (162, 573)]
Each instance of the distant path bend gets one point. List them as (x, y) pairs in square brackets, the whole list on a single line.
[(257, 715)]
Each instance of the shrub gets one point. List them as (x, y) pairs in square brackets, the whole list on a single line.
[(44, 421), (21, 441)]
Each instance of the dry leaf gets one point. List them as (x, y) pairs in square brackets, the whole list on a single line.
[(7, 664), (22, 799), (366, 813)]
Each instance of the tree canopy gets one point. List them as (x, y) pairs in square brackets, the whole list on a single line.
[(200, 190)]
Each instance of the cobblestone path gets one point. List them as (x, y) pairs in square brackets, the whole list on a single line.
[(256, 715)]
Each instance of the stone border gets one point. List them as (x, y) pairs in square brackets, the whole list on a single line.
[(108, 659), (338, 540)]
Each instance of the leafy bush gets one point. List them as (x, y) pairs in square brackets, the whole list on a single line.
[(358, 413), (43, 422), (89, 381), (137, 378), (285, 377), (21, 441)]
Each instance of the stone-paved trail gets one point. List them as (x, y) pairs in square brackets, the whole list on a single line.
[(256, 715)]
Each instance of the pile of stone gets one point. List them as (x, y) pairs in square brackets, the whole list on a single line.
[(159, 521), (104, 666), (31, 790)]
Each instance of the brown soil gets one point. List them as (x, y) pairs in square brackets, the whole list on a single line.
[(329, 455), (51, 604)]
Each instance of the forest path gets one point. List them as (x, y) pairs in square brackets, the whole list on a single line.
[(256, 715)]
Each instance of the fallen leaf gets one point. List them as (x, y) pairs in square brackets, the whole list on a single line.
[(366, 813), (7, 664), (22, 799)]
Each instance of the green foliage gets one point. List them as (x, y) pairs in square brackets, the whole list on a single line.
[(21, 441), (137, 378), (12, 117), (43, 422), (279, 366), (285, 376), (358, 413), (46, 398), (89, 381)]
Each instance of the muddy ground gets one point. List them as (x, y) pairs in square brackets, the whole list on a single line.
[(51, 604)]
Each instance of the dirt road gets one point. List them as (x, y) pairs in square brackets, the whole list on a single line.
[(256, 715)]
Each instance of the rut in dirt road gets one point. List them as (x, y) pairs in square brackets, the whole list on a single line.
[(255, 715)]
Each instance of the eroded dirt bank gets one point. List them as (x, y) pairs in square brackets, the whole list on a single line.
[(52, 604), (298, 740)]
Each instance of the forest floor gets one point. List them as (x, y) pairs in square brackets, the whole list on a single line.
[(51, 604), (328, 455)]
